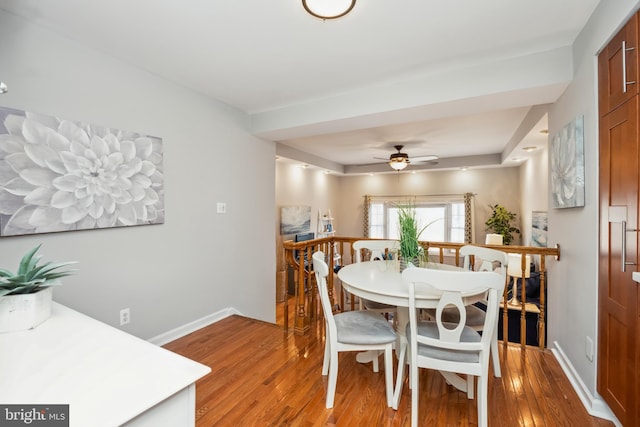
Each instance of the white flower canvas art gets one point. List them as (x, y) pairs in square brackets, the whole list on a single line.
[(63, 175), (567, 165)]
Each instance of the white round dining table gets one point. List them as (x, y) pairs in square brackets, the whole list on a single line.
[(381, 281)]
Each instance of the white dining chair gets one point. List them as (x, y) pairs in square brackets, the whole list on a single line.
[(452, 347), (356, 330), (379, 250), (484, 259)]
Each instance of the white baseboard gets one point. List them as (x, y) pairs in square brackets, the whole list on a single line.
[(183, 330), (594, 405)]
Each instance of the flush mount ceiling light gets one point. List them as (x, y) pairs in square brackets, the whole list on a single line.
[(3, 88), (328, 9)]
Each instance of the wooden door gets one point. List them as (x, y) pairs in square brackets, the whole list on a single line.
[(618, 293), (618, 69)]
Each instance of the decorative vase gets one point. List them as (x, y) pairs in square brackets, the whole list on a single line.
[(25, 311), (404, 263)]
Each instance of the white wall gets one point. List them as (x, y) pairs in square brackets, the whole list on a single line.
[(298, 186), (533, 185), (573, 305), (311, 187), (196, 263), (491, 186)]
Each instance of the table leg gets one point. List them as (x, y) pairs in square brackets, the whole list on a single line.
[(369, 356)]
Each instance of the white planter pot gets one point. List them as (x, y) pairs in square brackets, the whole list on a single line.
[(22, 312)]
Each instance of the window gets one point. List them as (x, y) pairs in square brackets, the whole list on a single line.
[(444, 220)]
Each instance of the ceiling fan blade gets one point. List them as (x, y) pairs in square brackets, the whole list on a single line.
[(424, 158)]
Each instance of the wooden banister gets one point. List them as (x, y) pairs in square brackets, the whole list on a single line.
[(442, 252)]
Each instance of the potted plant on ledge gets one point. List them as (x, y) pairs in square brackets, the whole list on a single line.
[(500, 223), (25, 297)]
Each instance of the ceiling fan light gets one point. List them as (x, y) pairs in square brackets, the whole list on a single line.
[(398, 165), (328, 9)]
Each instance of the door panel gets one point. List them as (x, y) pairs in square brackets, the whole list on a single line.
[(618, 299), (617, 68)]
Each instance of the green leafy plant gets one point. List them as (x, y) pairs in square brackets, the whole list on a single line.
[(500, 222), (410, 247), (30, 276)]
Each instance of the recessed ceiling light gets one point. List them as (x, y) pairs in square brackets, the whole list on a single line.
[(530, 149)]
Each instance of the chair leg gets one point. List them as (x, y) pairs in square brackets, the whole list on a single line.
[(376, 364), (388, 374), (495, 357), (327, 356), (471, 384), (483, 386), (414, 394), (333, 378), (400, 378)]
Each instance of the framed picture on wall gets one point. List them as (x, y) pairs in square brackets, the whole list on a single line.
[(567, 165), (539, 229), (295, 219), (63, 175)]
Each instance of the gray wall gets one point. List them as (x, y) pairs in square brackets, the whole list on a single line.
[(197, 263)]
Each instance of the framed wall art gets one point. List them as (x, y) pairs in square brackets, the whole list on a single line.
[(567, 165), (63, 175), (295, 219), (539, 229)]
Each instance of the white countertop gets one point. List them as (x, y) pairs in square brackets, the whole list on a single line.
[(107, 376)]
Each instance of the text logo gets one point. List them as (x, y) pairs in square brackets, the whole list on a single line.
[(34, 415)]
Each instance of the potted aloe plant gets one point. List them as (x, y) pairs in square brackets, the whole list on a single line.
[(25, 297)]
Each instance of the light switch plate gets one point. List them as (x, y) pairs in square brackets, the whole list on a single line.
[(222, 207)]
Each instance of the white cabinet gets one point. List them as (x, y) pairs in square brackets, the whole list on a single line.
[(106, 376)]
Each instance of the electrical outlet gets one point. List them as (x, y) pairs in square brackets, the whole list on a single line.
[(125, 316), (588, 350), (221, 207)]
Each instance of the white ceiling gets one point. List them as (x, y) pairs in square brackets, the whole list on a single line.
[(452, 78)]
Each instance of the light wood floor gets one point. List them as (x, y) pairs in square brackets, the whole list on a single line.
[(262, 376)]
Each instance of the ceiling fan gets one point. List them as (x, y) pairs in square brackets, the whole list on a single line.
[(400, 160)]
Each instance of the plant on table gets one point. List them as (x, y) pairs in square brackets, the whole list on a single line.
[(31, 277), (410, 248)]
